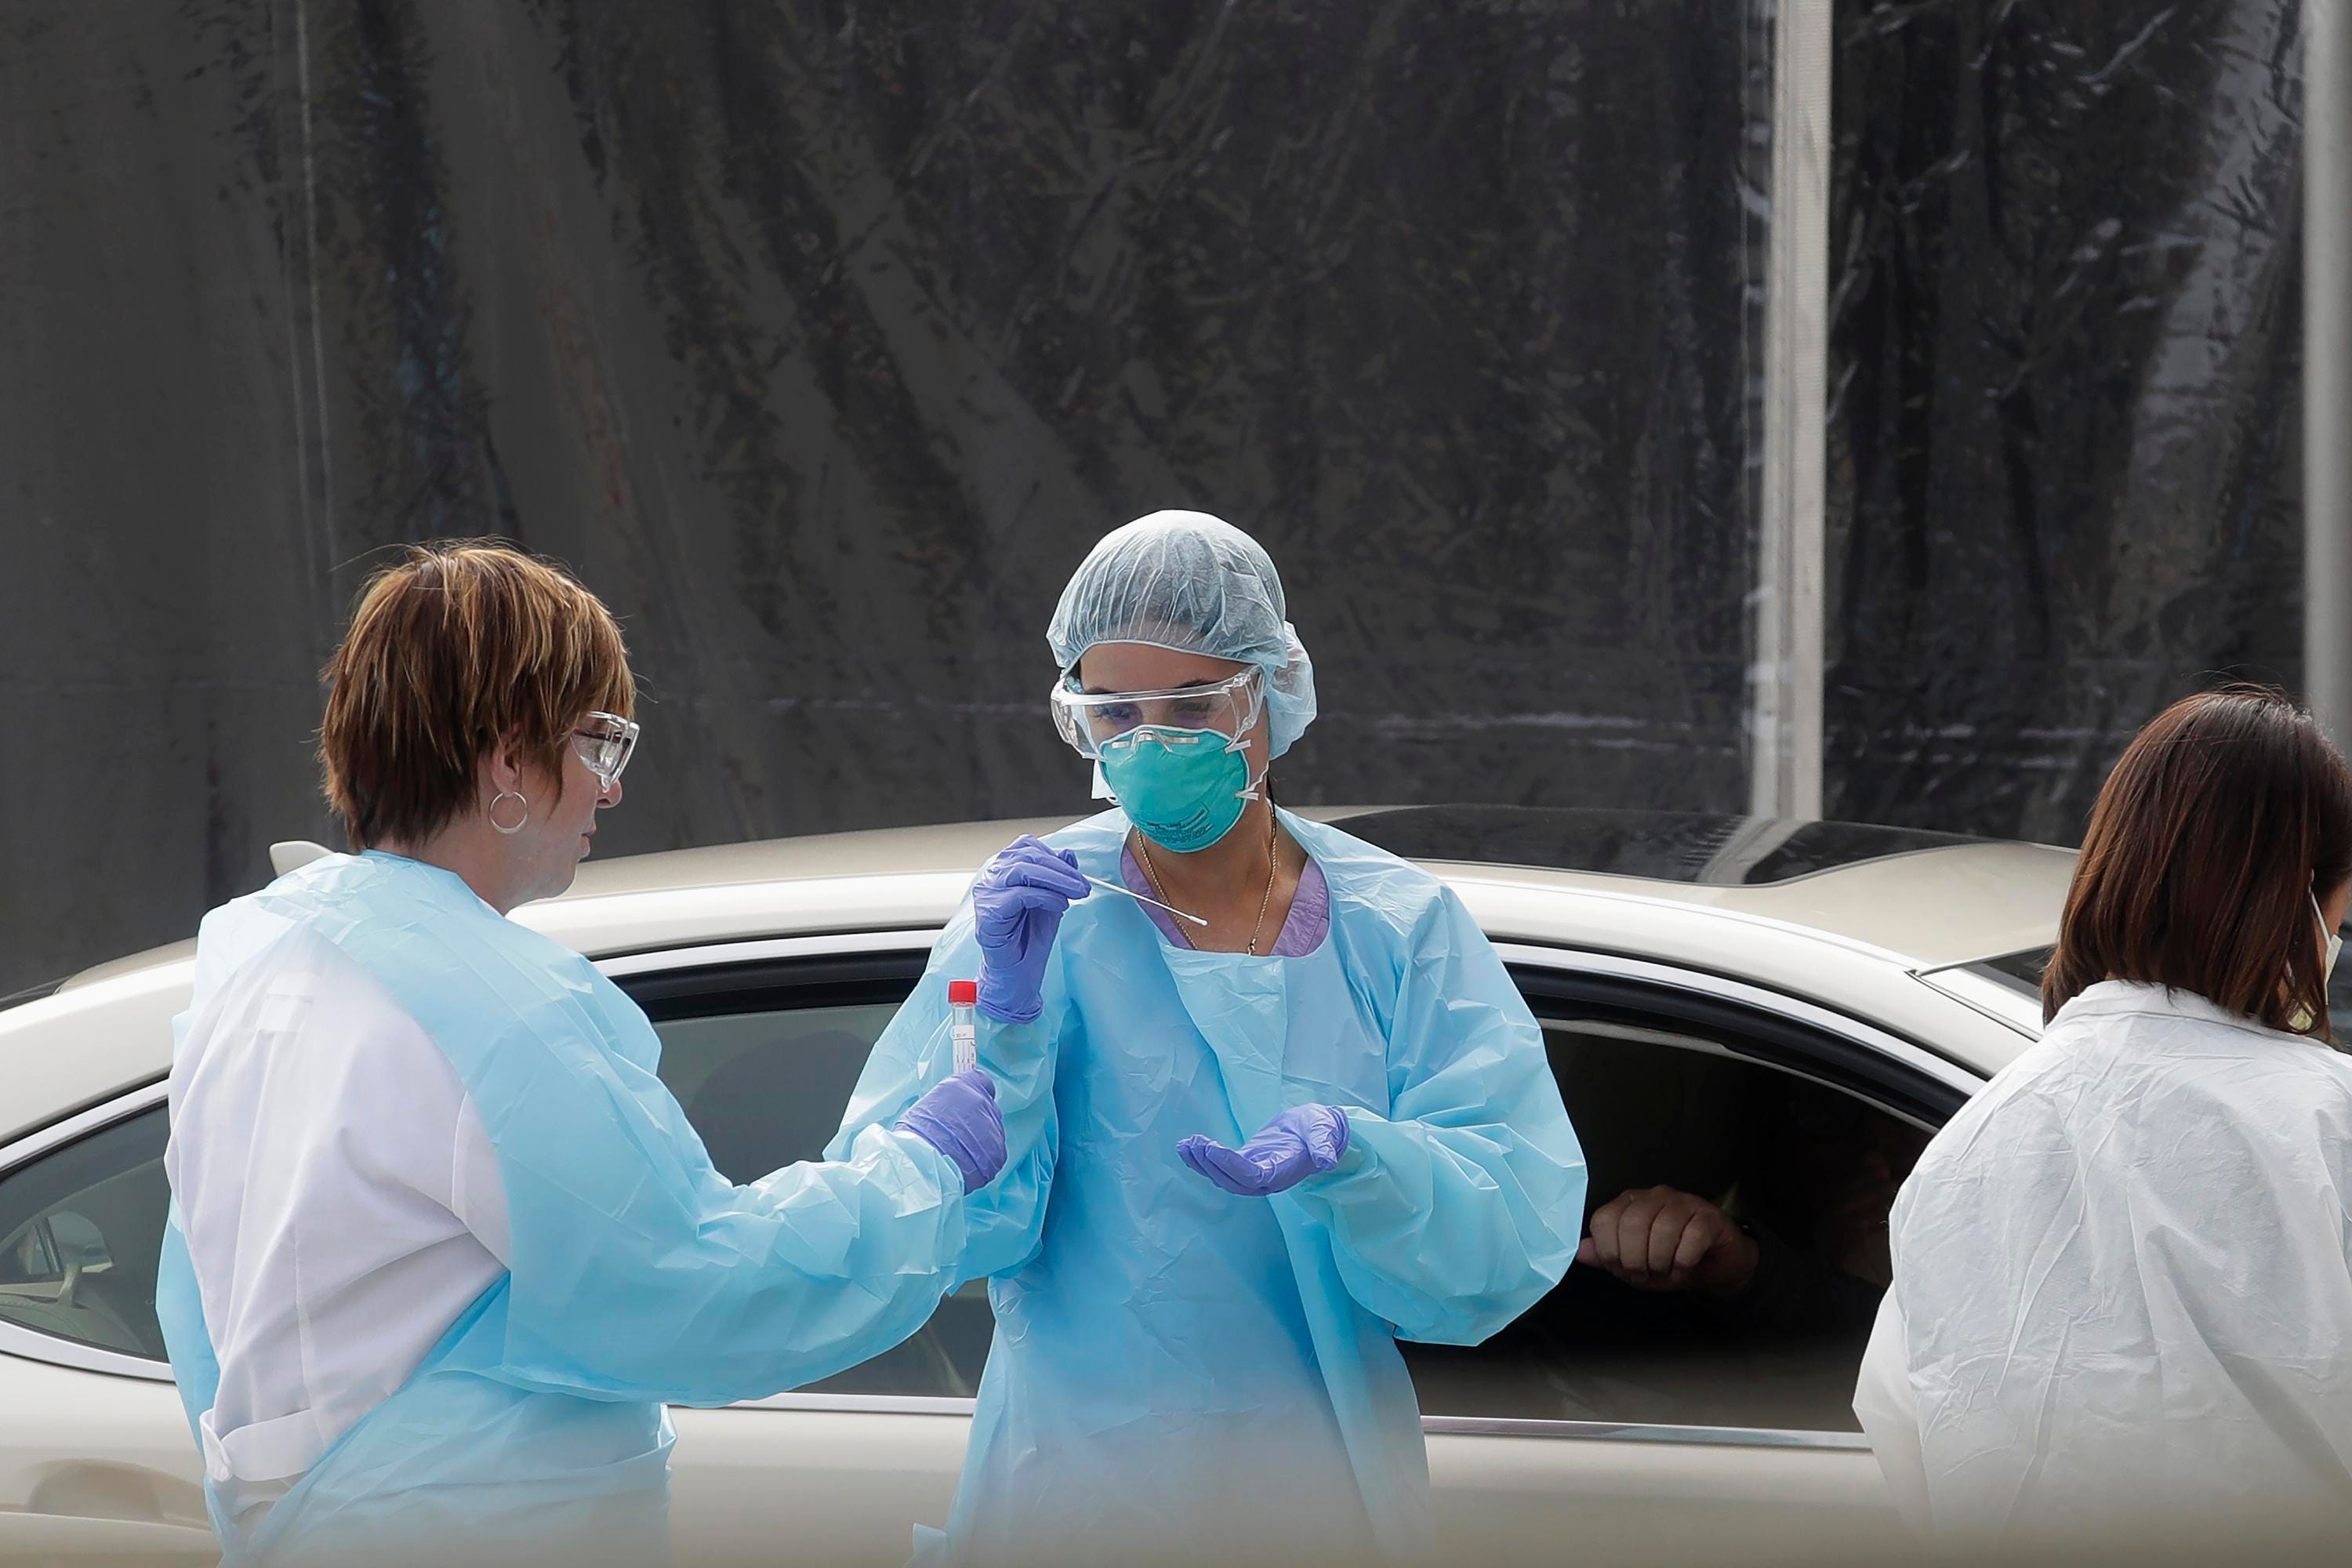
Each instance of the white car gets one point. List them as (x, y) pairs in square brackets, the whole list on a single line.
[(1732, 1006)]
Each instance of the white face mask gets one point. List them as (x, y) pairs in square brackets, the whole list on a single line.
[(2302, 1020)]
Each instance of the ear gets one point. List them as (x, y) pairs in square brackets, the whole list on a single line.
[(501, 768)]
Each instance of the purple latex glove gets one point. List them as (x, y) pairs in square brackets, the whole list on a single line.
[(1303, 1140), (1016, 907), (960, 1118)]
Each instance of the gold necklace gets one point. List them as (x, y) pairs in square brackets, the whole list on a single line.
[(1273, 870)]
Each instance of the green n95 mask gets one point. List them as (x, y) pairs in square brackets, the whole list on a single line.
[(1183, 789)]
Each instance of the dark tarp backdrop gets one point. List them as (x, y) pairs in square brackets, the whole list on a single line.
[(2065, 358), (823, 339)]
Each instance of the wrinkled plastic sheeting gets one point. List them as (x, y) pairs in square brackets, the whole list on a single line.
[(2064, 447), (823, 339)]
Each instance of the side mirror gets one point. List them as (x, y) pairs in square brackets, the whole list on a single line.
[(293, 854)]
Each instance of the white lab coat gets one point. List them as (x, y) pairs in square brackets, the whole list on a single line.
[(2121, 1282)]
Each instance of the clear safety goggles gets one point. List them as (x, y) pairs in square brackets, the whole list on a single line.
[(605, 742), (1096, 722)]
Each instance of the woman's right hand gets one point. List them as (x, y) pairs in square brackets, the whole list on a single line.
[(1017, 906)]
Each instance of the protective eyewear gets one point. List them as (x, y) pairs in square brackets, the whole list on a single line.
[(1096, 722), (605, 742)]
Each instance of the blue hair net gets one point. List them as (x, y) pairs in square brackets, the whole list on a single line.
[(1187, 581)]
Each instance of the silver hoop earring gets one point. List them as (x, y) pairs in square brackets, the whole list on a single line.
[(493, 813)]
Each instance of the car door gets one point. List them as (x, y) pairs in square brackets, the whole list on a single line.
[(763, 1043), (1665, 1427), (96, 1459), (1553, 1431)]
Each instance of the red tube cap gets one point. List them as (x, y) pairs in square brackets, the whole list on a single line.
[(964, 992)]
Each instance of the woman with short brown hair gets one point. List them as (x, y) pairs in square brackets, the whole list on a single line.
[(2122, 1291), (443, 1246), (481, 704)]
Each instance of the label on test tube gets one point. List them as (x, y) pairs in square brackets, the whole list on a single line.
[(964, 1023)]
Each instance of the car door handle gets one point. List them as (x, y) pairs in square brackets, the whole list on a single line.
[(84, 1510), (38, 1540)]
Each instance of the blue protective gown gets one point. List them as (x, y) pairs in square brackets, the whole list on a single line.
[(1175, 1364), (536, 1429)]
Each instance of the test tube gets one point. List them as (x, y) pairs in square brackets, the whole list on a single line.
[(964, 1023)]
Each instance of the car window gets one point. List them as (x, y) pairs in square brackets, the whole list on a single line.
[(1810, 1170), (766, 1087), (2020, 972), (765, 1071), (81, 1230), (764, 1076), (82, 1226)]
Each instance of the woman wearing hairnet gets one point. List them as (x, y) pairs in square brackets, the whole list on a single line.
[(2122, 1296), (1249, 1146)]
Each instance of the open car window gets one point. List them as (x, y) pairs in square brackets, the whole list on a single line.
[(1810, 1168), (764, 1062)]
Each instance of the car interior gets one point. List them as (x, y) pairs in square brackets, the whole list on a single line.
[(764, 1072), (1810, 1165), (81, 1233)]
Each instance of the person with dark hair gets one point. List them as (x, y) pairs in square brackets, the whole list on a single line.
[(2122, 1291), (442, 1245)]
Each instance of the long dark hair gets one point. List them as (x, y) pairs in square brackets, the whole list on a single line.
[(2221, 822)]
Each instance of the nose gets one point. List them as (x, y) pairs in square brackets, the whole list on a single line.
[(611, 797)]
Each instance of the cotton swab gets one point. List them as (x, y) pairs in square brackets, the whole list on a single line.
[(1139, 898)]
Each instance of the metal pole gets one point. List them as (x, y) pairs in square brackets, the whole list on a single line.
[(1785, 694), (2327, 365)]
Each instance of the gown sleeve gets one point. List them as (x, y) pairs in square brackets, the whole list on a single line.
[(1004, 1221), (640, 1272), (1456, 1211), (180, 1313)]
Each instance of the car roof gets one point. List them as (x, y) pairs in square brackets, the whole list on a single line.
[(1841, 916), (1934, 899), (1931, 900)]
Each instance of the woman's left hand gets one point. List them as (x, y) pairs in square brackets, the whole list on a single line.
[(1303, 1140)]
